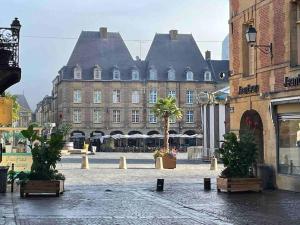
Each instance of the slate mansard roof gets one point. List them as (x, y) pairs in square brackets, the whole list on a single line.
[(180, 53), (21, 99)]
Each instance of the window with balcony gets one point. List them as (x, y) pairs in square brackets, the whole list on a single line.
[(77, 116), (189, 97), (135, 97), (97, 97), (116, 96), (153, 96), (135, 116), (97, 116), (116, 116), (152, 117), (190, 116), (77, 96)]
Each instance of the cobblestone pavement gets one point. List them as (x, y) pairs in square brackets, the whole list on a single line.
[(106, 195)]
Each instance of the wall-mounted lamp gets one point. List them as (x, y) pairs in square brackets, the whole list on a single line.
[(251, 39)]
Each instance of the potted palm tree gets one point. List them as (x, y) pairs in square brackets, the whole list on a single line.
[(165, 109)]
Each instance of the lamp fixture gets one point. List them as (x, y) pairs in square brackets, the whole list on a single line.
[(251, 39)]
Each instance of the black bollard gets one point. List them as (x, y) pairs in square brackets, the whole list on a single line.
[(207, 184), (160, 185), (12, 179)]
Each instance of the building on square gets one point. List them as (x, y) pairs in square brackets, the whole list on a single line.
[(265, 82), (103, 90)]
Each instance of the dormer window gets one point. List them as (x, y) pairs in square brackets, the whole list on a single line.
[(77, 72), (135, 75), (171, 73), (97, 72), (207, 76), (189, 74), (152, 73), (116, 73)]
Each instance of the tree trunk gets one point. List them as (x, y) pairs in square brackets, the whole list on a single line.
[(166, 133)]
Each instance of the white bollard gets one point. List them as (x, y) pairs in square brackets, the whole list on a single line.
[(159, 163), (123, 164), (85, 162), (214, 164)]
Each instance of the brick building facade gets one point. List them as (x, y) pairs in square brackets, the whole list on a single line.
[(265, 87)]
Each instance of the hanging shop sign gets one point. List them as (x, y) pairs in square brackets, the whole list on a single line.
[(292, 81), (249, 89)]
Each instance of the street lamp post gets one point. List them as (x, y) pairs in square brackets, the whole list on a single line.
[(10, 73), (251, 39)]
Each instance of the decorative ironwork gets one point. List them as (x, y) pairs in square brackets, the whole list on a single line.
[(9, 44)]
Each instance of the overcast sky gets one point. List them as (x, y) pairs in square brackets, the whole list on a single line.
[(50, 29)]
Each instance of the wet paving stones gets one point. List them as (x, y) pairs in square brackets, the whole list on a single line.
[(106, 195)]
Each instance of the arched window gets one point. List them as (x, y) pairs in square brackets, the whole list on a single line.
[(135, 75), (171, 73), (152, 73), (97, 72), (77, 72), (189, 75), (116, 73), (207, 76)]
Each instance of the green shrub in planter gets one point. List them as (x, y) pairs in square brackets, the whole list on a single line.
[(238, 156)]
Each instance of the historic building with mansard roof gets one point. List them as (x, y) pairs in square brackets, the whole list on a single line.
[(103, 89)]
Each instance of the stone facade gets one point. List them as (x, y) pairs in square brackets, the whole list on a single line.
[(275, 22)]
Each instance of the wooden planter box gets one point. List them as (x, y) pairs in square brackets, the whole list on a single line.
[(169, 162), (42, 187), (239, 184)]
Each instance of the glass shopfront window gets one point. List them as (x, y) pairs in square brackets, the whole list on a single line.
[(289, 144)]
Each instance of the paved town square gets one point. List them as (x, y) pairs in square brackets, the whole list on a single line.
[(105, 194)]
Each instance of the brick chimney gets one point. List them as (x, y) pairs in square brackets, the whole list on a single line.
[(173, 34), (208, 55), (103, 32)]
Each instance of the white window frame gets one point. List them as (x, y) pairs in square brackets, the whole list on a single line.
[(189, 75), (77, 96), (171, 74), (152, 74), (207, 76), (116, 74), (152, 117), (97, 117), (97, 73), (116, 116), (97, 97), (135, 116), (116, 96), (76, 116), (172, 93), (135, 97), (77, 73), (135, 75), (189, 97), (190, 116), (153, 96)]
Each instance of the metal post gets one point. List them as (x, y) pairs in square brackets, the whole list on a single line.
[(207, 184), (13, 178), (160, 185)]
